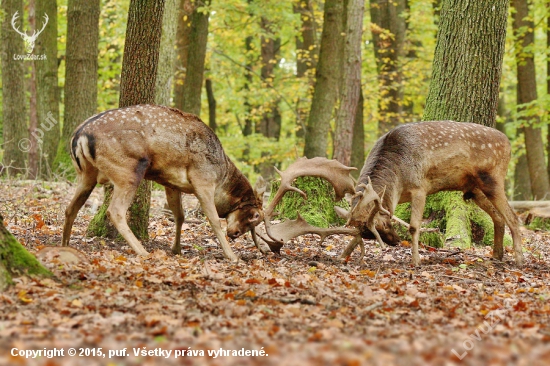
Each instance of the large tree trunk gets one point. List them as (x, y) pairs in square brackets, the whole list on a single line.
[(192, 88), (15, 259), (182, 44), (325, 93), (80, 94), (527, 93), (467, 62), (35, 137), (13, 93), (350, 82), (137, 86), (388, 34), (47, 88), (465, 83)]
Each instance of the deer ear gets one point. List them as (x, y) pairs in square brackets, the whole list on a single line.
[(255, 218), (260, 188)]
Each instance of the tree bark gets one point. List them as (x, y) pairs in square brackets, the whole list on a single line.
[(270, 124), (137, 86), (36, 139), (307, 54), (198, 37), (358, 142), (351, 82), (522, 182), (211, 105), (13, 93), (388, 33), (527, 93), (307, 51), (47, 88), (182, 45), (468, 62), (81, 71), (464, 86), (325, 93), (167, 53)]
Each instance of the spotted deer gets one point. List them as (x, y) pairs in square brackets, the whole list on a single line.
[(418, 159), (173, 148)]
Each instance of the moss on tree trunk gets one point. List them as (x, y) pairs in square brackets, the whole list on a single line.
[(15, 260), (317, 210)]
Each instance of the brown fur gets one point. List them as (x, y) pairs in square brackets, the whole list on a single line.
[(173, 148), (418, 159)]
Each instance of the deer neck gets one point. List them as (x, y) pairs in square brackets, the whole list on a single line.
[(234, 192)]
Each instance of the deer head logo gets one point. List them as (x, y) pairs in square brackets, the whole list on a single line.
[(29, 40)]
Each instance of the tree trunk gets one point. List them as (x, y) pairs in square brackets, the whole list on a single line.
[(192, 87), (350, 82), (15, 259), (182, 45), (467, 62), (211, 105), (36, 139), (527, 93), (167, 53), (464, 86), (270, 124), (248, 122), (307, 51), (522, 183), (81, 71), (388, 34), (137, 86), (358, 142), (307, 54), (47, 88), (16, 142), (325, 93)]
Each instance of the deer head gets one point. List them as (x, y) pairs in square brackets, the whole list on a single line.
[(29, 40), (370, 217)]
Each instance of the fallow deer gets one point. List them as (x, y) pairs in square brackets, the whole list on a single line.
[(173, 148), (417, 159)]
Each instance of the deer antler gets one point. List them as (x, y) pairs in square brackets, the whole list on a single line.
[(35, 34), (331, 170), (15, 27)]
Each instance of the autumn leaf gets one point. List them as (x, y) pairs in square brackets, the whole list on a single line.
[(22, 295)]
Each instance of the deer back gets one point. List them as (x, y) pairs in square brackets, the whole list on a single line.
[(166, 145)]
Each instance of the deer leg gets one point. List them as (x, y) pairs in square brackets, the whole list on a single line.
[(120, 201), (418, 202), (173, 197), (206, 199), (83, 190), (483, 202), (499, 200)]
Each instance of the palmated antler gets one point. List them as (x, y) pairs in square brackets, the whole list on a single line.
[(290, 229), (331, 170)]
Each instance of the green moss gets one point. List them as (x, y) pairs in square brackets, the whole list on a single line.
[(63, 162), (539, 223), (462, 223), (318, 209), (16, 260), (97, 226)]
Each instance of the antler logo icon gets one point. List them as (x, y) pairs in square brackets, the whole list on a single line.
[(29, 40)]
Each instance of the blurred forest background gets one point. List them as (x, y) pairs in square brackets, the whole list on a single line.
[(247, 67)]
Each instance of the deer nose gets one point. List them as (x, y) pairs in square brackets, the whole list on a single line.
[(233, 233)]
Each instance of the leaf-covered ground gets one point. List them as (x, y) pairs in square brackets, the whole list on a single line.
[(301, 308)]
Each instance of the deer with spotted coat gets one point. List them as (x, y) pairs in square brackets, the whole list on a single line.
[(418, 159), (173, 148)]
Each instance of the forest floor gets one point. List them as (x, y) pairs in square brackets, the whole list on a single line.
[(303, 307)]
